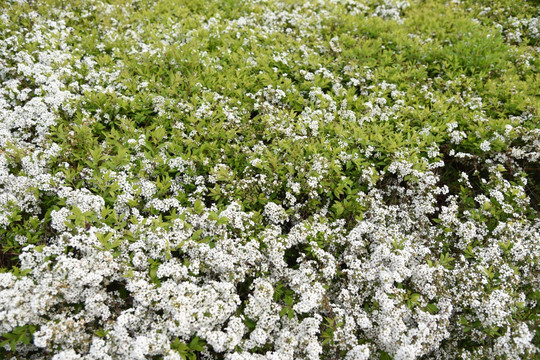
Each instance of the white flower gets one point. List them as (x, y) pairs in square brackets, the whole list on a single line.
[(359, 352), (275, 213)]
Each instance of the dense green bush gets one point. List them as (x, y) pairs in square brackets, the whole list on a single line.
[(204, 179)]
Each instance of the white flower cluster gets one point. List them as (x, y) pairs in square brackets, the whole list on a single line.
[(157, 256)]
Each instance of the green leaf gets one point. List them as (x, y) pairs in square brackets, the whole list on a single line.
[(290, 313), (432, 308), (198, 207), (196, 344), (197, 235), (223, 220), (338, 209)]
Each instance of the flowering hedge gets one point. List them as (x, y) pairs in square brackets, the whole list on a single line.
[(226, 179)]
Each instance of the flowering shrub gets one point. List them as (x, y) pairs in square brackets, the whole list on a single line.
[(269, 179)]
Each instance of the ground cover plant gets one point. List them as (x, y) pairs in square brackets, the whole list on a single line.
[(286, 179)]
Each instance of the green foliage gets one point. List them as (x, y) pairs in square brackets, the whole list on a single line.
[(191, 350), (20, 335), (188, 111)]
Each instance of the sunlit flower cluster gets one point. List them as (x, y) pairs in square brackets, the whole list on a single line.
[(312, 205)]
